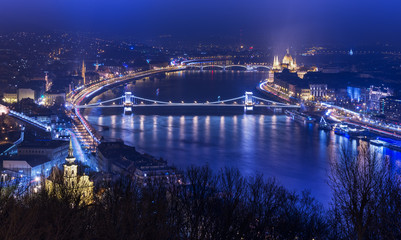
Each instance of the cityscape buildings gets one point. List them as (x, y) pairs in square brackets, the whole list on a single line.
[(207, 120)]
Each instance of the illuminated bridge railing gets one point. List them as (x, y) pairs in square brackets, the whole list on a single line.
[(143, 102), (19, 141), (87, 126), (30, 120), (228, 67)]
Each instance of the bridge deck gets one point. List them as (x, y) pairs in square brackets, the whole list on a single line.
[(188, 105)]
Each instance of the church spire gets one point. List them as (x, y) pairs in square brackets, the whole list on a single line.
[(83, 71), (70, 158)]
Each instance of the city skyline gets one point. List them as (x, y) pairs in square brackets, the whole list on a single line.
[(194, 120), (273, 23)]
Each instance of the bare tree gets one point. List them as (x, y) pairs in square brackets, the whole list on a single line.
[(359, 182)]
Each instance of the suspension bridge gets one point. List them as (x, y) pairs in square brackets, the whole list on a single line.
[(227, 67), (129, 101)]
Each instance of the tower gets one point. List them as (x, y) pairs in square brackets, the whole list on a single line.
[(276, 63), (79, 186), (70, 159), (128, 103), (83, 71), (70, 168), (97, 66), (47, 81), (293, 65), (248, 102)]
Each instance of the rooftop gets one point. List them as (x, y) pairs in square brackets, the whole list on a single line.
[(124, 155), (32, 160), (44, 143)]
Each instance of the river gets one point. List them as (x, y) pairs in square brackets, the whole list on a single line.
[(297, 155)]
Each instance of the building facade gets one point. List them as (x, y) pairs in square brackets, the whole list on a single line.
[(34, 159), (375, 94), (391, 108), (70, 181), (318, 91), (51, 98), (25, 93)]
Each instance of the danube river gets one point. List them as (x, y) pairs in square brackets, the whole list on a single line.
[(297, 155)]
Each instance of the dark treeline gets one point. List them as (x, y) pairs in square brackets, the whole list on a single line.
[(366, 205)]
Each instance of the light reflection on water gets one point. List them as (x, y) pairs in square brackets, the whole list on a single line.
[(297, 155)]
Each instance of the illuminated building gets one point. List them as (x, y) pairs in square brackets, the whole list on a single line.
[(355, 94), (48, 83), (52, 97), (36, 158), (276, 64), (288, 62), (271, 76), (318, 91), (77, 185), (3, 110), (375, 94), (10, 97), (305, 94), (290, 84), (25, 93), (288, 81), (391, 108)]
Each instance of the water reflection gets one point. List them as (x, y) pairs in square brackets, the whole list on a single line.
[(297, 155), (154, 132), (182, 130), (141, 128), (235, 127), (207, 129), (222, 132), (195, 129), (169, 129)]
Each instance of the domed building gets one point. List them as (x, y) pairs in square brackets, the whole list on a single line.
[(288, 62), (287, 58)]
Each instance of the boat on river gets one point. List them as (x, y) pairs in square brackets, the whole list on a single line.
[(350, 131), (299, 117), (379, 143)]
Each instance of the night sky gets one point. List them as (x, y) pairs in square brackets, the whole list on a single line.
[(275, 22)]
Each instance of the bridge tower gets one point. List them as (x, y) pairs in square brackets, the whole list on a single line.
[(128, 104), (248, 102)]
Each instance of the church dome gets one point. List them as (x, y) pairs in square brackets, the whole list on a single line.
[(287, 58)]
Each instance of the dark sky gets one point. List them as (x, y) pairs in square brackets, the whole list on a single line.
[(281, 21)]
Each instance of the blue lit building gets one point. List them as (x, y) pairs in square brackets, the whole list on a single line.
[(391, 108)]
